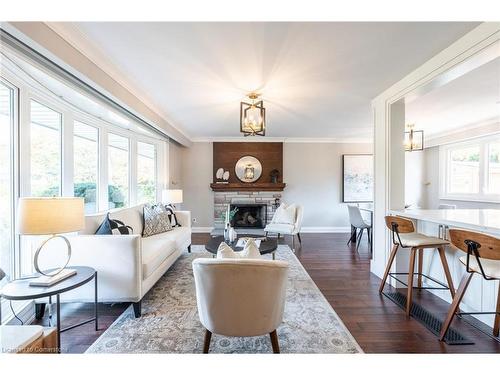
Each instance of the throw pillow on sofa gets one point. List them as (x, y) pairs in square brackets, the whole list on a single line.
[(285, 214), (113, 226), (171, 216), (156, 220)]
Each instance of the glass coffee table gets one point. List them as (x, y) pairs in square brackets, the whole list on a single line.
[(267, 245)]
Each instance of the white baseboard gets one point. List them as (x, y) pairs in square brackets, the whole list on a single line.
[(303, 230), (202, 229), (325, 230)]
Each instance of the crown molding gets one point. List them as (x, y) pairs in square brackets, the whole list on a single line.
[(281, 139)]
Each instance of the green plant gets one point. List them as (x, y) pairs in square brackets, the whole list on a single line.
[(231, 214)]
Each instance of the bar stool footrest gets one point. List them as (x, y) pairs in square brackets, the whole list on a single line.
[(441, 286)]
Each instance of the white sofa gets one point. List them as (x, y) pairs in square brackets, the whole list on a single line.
[(127, 265)]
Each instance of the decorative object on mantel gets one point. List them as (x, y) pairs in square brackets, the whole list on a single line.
[(42, 216), (414, 139), (253, 116), (248, 169), (219, 173), (275, 175), (357, 178), (222, 176)]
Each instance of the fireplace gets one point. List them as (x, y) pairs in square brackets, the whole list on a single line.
[(249, 216)]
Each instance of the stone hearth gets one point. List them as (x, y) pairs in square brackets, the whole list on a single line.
[(224, 198)]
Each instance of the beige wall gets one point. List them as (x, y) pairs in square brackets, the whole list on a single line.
[(313, 174), (196, 171), (312, 171), (175, 165)]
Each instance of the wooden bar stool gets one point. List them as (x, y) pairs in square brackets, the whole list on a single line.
[(483, 257), (404, 236)]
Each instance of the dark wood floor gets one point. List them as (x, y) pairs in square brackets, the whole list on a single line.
[(343, 276)]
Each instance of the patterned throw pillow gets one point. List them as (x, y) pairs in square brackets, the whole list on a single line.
[(156, 220), (113, 226), (171, 216)]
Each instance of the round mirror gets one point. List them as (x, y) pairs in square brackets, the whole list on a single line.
[(248, 169)]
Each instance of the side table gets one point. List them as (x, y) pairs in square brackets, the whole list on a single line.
[(19, 290)]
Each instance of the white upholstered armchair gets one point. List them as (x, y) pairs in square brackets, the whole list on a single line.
[(280, 224), (240, 297)]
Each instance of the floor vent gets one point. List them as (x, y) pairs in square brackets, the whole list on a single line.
[(430, 321)]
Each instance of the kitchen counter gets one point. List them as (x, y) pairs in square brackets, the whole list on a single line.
[(481, 220)]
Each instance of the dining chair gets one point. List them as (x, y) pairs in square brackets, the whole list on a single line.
[(357, 221)]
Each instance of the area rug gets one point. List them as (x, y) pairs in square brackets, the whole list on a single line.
[(170, 324)]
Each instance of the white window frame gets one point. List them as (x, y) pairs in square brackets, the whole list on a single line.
[(157, 170), (444, 175), (27, 91), (99, 168)]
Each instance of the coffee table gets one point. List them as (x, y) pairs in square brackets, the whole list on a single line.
[(267, 246)]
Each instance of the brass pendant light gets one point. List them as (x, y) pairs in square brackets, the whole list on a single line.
[(253, 116), (414, 139)]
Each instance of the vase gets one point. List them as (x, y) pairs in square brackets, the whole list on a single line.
[(232, 234), (226, 233)]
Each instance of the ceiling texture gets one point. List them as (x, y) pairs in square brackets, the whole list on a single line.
[(316, 79)]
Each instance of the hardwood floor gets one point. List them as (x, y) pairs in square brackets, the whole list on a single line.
[(343, 276)]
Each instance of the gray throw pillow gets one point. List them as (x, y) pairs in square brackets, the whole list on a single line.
[(156, 220)]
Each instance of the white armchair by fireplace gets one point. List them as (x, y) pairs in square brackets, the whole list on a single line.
[(287, 220)]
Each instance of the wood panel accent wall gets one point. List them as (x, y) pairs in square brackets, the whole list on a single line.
[(270, 154)]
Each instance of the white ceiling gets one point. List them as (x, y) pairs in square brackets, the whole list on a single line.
[(317, 79), (471, 99)]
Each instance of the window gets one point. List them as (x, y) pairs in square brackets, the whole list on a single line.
[(494, 168), (464, 170), (7, 195), (471, 170), (118, 171), (45, 151), (146, 173), (86, 169)]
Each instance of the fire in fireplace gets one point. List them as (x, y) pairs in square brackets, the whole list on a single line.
[(249, 216)]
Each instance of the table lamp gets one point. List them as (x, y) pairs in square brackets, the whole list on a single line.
[(42, 216), (171, 196)]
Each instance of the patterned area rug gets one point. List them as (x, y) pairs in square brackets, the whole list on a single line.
[(170, 324)]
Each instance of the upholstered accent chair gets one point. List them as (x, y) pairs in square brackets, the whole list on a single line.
[(291, 229), (240, 297)]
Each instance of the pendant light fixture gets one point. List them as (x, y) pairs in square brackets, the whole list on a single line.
[(414, 139), (253, 116)]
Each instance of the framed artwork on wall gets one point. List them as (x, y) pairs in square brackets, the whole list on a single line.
[(357, 178)]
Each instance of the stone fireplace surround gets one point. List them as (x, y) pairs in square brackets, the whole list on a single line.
[(224, 198)]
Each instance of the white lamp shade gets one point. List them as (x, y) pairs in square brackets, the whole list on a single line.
[(50, 215), (171, 196)]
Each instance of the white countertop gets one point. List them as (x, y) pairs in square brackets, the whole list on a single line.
[(483, 220)]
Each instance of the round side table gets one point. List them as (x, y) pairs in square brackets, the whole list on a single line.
[(20, 289)]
